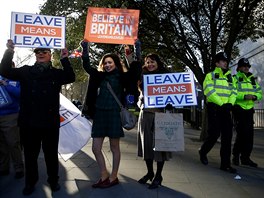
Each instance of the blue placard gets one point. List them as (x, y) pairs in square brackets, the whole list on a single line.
[(5, 99)]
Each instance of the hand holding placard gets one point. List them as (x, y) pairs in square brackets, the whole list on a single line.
[(10, 45), (64, 53)]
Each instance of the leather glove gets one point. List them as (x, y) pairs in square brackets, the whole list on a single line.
[(254, 98), (84, 46), (227, 106)]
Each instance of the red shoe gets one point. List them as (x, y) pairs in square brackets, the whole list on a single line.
[(109, 184), (100, 183)]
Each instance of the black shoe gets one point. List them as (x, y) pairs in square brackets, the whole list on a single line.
[(144, 179), (28, 190), (55, 187), (248, 162), (235, 160), (156, 182), (19, 175), (4, 172), (203, 158), (228, 169)]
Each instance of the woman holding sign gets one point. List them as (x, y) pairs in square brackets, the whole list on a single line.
[(106, 121), (153, 65)]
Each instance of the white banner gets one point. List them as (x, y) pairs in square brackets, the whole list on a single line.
[(75, 130)]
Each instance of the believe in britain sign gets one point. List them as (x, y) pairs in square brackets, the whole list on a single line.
[(177, 89), (107, 25), (32, 30)]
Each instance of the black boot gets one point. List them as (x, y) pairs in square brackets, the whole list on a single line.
[(150, 174), (158, 178), (248, 162), (203, 158), (144, 179), (156, 182)]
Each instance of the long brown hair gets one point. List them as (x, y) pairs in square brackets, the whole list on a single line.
[(116, 60)]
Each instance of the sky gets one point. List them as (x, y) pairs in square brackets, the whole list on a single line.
[(25, 6)]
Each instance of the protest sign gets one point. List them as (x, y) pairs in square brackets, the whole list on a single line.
[(5, 99), (32, 30), (169, 132), (75, 130), (177, 89), (106, 25)]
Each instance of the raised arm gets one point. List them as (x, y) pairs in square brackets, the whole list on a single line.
[(6, 63), (69, 76)]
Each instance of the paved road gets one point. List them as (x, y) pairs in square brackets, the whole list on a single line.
[(183, 176)]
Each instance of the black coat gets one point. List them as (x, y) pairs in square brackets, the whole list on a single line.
[(96, 78), (40, 89)]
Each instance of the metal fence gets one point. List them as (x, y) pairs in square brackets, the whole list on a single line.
[(259, 118), (194, 117)]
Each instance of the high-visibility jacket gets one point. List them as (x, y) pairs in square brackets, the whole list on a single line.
[(246, 84), (219, 87)]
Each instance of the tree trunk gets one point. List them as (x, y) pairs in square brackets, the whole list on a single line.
[(203, 134)]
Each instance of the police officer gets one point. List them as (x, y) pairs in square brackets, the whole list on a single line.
[(248, 92), (39, 118), (220, 94)]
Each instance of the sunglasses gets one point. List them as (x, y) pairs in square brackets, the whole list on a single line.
[(42, 51)]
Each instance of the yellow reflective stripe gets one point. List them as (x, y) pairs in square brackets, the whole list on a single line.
[(234, 92), (210, 93), (223, 95), (247, 90), (223, 87), (208, 85)]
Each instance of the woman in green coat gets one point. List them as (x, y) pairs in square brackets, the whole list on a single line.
[(106, 121)]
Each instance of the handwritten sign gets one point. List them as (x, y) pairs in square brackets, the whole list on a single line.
[(32, 30), (117, 26), (177, 89)]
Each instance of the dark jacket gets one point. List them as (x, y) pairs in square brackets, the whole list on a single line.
[(118, 81), (40, 89)]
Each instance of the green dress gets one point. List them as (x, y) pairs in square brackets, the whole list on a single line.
[(107, 122)]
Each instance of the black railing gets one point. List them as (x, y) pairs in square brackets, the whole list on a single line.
[(259, 118), (194, 117)]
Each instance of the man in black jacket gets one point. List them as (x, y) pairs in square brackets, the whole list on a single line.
[(39, 118)]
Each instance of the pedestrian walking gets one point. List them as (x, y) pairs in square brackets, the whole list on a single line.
[(248, 92), (220, 95)]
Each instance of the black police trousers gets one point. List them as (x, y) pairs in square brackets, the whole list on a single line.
[(219, 124), (243, 120)]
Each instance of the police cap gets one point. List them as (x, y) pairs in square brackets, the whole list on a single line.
[(221, 56), (243, 62)]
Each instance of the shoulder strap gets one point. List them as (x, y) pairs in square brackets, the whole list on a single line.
[(113, 94)]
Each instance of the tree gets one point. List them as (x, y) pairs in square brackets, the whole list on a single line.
[(193, 31), (184, 32)]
